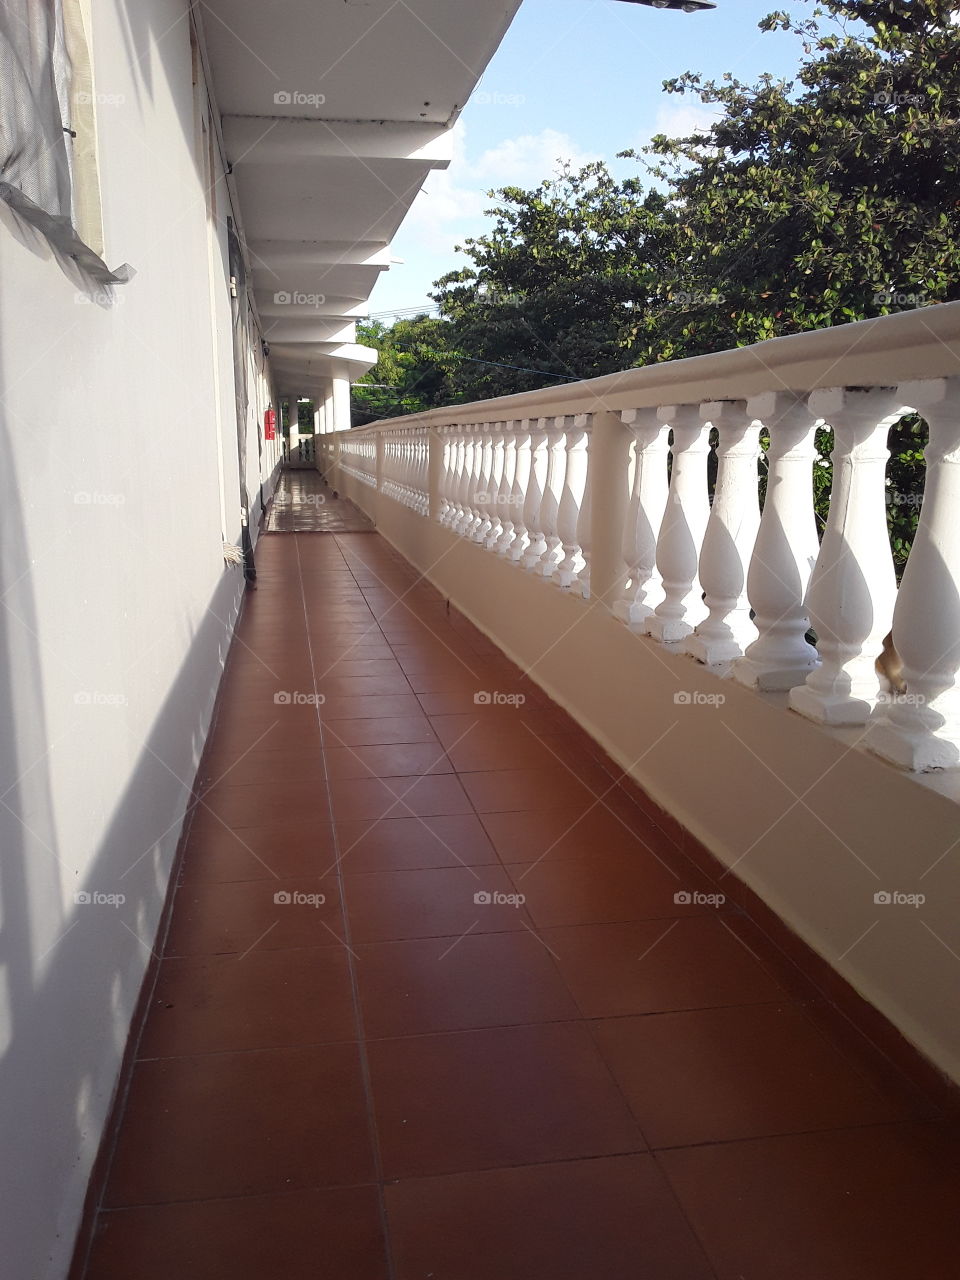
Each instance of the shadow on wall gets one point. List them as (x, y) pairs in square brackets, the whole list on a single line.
[(76, 923)]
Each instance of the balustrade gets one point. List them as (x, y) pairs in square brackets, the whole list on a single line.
[(755, 595)]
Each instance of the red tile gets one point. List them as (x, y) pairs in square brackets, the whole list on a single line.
[(296, 1235), (619, 886), (876, 1203), (260, 766), (355, 798), (486, 980), (498, 790), (548, 835), (239, 1124), (377, 731), (340, 706), (482, 1099), (334, 685), (263, 1000), (656, 966), (217, 854), (260, 803), (213, 919), (442, 903), (408, 844), (717, 1074), (403, 760), (612, 1218)]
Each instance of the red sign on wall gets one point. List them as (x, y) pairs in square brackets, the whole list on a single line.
[(270, 425)]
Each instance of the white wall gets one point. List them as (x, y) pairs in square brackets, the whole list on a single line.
[(116, 611)]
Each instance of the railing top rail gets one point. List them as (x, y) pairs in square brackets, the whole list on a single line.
[(909, 345)]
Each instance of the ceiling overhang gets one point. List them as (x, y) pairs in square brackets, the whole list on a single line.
[(334, 112)]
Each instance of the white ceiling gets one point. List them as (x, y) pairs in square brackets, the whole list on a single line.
[(334, 114)]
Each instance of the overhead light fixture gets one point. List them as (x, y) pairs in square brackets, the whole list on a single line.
[(688, 6)]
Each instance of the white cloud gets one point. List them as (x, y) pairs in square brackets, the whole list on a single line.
[(680, 119), (452, 202)]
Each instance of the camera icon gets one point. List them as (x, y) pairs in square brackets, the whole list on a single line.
[(282, 898), (683, 898), (482, 699), (882, 898), (282, 298), (282, 699), (82, 898), (482, 898), (283, 98), (683, 698), (882, 98), (82, 699)]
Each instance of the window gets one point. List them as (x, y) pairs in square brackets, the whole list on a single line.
[(48, 171)]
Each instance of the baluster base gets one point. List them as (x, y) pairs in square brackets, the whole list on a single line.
[(836, 709), (769, 678), (899, 734)]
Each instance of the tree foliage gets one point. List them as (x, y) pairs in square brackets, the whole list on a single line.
[(812, 202)]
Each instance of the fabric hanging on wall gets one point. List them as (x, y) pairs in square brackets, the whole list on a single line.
[(38, 88)]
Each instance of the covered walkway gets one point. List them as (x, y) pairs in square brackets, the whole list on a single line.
[(440, 999)]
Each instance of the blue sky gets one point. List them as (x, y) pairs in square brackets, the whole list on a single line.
[(578, 79)]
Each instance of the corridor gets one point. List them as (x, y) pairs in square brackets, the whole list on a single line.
[(440, 999)]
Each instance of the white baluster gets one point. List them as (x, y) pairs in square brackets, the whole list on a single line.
[(460, 470), (471, 480), (648, 500), (497, 472), (684, 524), (585, 523), (506, 497), (518, 491), (539, 465), (786, 548), (552, 490), (576, 441), (853, 587), (482, 498), (921, 729), (730, 537)]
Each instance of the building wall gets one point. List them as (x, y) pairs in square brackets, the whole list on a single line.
[(118, 440)]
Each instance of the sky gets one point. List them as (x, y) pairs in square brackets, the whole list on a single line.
[(576, 80)]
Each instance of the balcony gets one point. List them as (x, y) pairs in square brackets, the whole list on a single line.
[(443, 992)]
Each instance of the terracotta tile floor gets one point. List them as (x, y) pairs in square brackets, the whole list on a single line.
[(364, 1059)]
